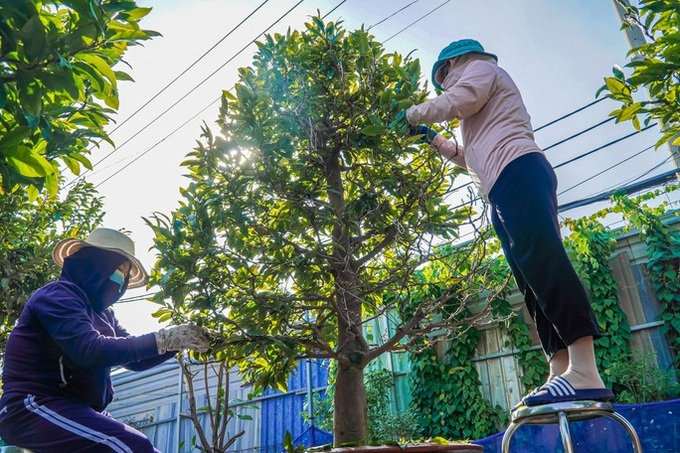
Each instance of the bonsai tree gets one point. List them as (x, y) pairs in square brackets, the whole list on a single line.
[(313, 211)]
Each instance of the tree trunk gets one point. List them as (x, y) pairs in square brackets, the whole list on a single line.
[(349, 421)]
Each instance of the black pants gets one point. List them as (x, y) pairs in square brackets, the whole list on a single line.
[(524, 214)]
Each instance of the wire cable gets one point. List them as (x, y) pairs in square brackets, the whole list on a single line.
[(416, 21), (162, 90), (204, 80), (637, 178), (142, 154), (334, 8), (567, 162), (392, 15), (604, 146), (569, 114), (606, 170), (579, 133), (137, 298)]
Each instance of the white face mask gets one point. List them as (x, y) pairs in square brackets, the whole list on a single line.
[(118, 278)]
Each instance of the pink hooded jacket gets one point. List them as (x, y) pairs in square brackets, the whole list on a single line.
[(495, 124)]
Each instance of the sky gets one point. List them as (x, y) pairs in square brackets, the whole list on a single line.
[(556, 51)]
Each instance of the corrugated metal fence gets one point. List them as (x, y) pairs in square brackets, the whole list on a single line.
[(151, 401)]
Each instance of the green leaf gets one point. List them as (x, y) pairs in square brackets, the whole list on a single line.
[(618, 72), (288, 442), (14, 137), (28, 162), (614, 85), (82, 159), (3, 95), (373, 130), (30, 94), (72, 164), (33, 36), (121, 75), (63, 81)]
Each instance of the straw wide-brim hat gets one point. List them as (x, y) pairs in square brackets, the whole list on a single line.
[(105, 239)]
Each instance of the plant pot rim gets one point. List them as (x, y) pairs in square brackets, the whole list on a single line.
[(411, 448)]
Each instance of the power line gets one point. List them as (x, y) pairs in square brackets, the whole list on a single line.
[(171, 83), (606, 170), (416, 21), (604, 146), (564, 163), (204, 108), (334, 8), (137, 298), (237, 26), (205, 79), (579, 133), (628, 189), (569, 114), (660, 164), (142, 154), (392, 15)]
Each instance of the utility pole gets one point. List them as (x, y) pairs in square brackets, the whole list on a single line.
[(636, 38)]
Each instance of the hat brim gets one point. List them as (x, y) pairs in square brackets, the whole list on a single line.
[(436, 67), (67, 247)]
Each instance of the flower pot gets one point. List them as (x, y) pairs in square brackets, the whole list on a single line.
[(412, 448)]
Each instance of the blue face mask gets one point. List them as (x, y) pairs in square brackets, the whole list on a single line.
[(118, 278)]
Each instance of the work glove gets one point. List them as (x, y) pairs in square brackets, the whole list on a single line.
[(427, 134), (179, 338), (399, 123)]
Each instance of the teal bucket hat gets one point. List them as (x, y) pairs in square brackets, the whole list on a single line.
[(456, 49)]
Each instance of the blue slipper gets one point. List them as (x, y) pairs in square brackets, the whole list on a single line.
[(521, 402), (559, 390)]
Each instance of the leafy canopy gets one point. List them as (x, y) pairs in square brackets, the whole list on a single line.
[(28, 233), (655, 67), (313, 211), (58, 87)]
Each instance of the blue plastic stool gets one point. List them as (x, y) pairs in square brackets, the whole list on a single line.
[(562, 414)]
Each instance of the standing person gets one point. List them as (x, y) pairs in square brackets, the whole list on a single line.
[(512, 173), (56, 374)]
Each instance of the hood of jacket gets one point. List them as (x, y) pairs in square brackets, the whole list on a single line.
[(455, 68), (90, 269)]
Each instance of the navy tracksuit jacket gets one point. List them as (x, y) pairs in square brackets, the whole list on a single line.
[(56, 373)]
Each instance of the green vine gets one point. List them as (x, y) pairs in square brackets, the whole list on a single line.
[(446, 393), (532, 361), (663, 252), (591, 246)]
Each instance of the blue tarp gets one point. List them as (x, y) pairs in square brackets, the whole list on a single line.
[(313, 437), (657, 425)]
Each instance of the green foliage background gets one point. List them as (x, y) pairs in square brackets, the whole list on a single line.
[(28, 233), (654, 67), (58, 87)]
